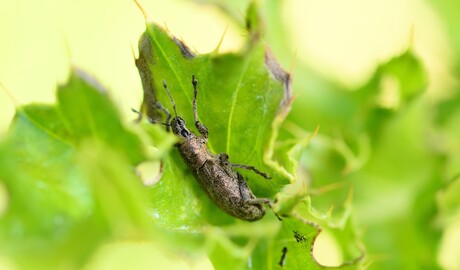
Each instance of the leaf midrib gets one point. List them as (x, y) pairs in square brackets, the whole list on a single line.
[(233, 103)]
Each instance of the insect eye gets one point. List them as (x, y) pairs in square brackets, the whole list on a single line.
[(223, 157), (184, 133)]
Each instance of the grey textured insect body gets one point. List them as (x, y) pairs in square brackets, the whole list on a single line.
[(215, 174)]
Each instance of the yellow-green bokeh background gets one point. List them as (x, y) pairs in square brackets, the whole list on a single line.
[(42, 39), (344, 40)]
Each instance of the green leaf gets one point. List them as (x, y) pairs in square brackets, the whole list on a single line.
[(409, 72), (79, 104), (68, 172), (243, 98), (231, 87)]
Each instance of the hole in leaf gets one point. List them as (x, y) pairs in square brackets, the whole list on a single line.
[(150, 172), (326, 250)]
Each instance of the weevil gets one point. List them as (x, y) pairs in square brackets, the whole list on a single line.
[(214, 173)]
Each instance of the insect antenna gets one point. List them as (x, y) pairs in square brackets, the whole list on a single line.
[(195, 93), (170, 97), (149, 118)]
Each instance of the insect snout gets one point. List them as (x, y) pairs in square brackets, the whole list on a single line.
[(179, 128)]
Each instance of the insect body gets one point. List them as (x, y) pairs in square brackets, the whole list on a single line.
[(214, 173)]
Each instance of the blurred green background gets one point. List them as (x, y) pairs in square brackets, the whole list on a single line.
[(400, 168), (344, 41)]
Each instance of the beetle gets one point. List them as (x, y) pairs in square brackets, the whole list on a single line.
[(214, 173)]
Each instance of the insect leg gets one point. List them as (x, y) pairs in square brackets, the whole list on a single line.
[(260, 201), (245, 192), (156, 105), (139, 116), (160, 107), (247, 195), (252, 168), (201, 128)]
